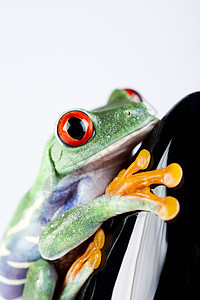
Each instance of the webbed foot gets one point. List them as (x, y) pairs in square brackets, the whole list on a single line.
[(138, 185), (83, 267)]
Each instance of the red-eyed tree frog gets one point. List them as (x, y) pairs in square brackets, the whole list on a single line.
[(66, 204)]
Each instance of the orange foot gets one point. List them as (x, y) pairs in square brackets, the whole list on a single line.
[(138, 185), (83, 267)]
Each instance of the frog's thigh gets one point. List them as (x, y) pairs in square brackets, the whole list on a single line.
[(40, 281)]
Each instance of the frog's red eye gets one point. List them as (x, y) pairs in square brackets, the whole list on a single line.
[(134, 95), (75, 128)]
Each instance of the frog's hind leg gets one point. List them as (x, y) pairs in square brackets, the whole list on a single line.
[(40, 281), (83, 267)]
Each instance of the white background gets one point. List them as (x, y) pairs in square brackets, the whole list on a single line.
[(56, 55)]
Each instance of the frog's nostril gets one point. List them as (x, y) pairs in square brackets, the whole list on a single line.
[(128, 113)]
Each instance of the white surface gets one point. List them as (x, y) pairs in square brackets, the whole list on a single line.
[(142, 264), (56, 55)]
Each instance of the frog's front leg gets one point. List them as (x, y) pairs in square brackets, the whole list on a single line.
[(126, 193), (40, 281)]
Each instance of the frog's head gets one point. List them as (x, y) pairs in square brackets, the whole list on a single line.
[(107, 134)]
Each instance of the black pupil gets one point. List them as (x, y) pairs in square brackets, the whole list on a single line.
[(76, 128)]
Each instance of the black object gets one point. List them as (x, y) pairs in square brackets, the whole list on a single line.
[(180, 278)]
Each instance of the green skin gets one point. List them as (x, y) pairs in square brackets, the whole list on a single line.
[(40, 281), (77, 224), (101, 157)]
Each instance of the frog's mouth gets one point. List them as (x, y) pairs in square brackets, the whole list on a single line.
[(119, 150)]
